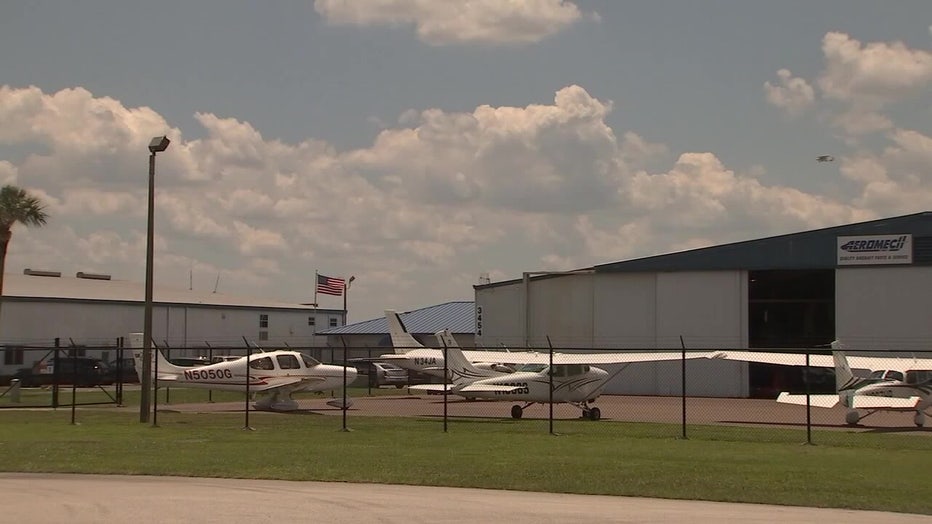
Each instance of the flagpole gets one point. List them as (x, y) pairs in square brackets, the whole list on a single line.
[(316, 277)]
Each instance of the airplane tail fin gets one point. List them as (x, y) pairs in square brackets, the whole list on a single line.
[(461, 370), (401, 339), (844, 377), (446, 339), (164, 365)]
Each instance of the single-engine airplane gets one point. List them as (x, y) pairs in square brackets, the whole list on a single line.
[(825, 158), (906, 386), (412, 355), (575, 380), (275, 374)]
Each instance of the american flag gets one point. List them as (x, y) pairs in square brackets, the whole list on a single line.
[(330, 286)]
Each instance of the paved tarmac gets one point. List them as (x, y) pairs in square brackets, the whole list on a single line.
[(97, 499), (700, 410)]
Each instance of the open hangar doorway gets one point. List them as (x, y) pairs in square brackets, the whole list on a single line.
[(790, 309)]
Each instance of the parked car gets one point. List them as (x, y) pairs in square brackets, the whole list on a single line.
[(81, 371), (189, 362), (123, 370), (382, 374)]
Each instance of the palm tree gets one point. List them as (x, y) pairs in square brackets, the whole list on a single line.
[(16, 205)]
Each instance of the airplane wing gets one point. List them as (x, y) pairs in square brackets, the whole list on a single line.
[(799, 359), (872, 402), (617, 357), (821, 401), (270, 383), (786, 359)]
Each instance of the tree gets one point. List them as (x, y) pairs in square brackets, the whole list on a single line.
[(16, 205)]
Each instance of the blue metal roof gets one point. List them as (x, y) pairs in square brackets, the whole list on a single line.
[(458, 317)]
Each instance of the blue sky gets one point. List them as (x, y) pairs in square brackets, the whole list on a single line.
[(418, 144)]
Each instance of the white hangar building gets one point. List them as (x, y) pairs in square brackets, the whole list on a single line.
[(868, 284), (94, 311)]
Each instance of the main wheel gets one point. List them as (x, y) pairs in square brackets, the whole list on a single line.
[(852, 417), (594, 414), (516, 411)]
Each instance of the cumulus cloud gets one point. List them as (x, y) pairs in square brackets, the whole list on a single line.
[(868, 77), (445, 22), (428, 205), (793, 94)]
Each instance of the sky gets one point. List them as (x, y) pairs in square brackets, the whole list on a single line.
[(422, 145)]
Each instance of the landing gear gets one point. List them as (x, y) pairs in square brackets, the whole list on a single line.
[(919, 419), (516, 411), (852, 417), (593, 414)]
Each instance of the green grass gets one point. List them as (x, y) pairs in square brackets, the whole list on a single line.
[(42, 397), (865, 471)]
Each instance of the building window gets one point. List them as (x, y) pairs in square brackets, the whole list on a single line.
[(263, 335), (263, 321), (310, 321), (13, 357), (333, 322)]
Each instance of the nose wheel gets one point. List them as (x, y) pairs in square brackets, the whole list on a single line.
[(516, 411)]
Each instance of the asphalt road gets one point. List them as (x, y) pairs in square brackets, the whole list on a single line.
[(97, 499)]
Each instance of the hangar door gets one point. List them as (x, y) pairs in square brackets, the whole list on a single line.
[(788, 309)]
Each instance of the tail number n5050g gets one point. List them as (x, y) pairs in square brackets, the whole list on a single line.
[(207, 374)]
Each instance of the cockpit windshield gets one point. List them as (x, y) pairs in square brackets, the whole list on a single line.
[(887, 374), (533, 368), (308, 361)]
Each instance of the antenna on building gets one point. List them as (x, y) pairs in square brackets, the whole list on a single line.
[(217, 283), (191, 277), (484, 279)]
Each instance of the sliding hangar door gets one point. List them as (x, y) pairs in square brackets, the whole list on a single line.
[(638, 310)]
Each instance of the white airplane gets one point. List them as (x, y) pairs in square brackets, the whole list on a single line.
[(276, 374), (575, 384), (411, 354), (905, 387), (575, 380), (825, 158)]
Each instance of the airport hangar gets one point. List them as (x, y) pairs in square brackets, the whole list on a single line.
[(867, 284), (93, 311)]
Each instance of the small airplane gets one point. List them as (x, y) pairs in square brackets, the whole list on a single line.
[(825, 158), (576, 384), (514, 375), (275, 373), (905, 387), (412, 355)]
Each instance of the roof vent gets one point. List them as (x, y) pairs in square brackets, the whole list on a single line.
[(92, 276), (39, 273)]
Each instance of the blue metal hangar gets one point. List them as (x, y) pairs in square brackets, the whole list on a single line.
[(868, 284)]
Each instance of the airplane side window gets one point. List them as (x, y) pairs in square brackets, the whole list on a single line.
[(264, 363), (288, 362), (894, 375)]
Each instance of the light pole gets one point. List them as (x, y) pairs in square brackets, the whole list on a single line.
[(157, 145), (346, 292)]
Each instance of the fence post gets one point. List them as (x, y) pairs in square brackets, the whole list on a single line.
[(683, 381), (55, 374)]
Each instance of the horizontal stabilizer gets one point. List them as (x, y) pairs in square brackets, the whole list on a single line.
[(872, 402), (440, 388), (819, 401), (489, 388)]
